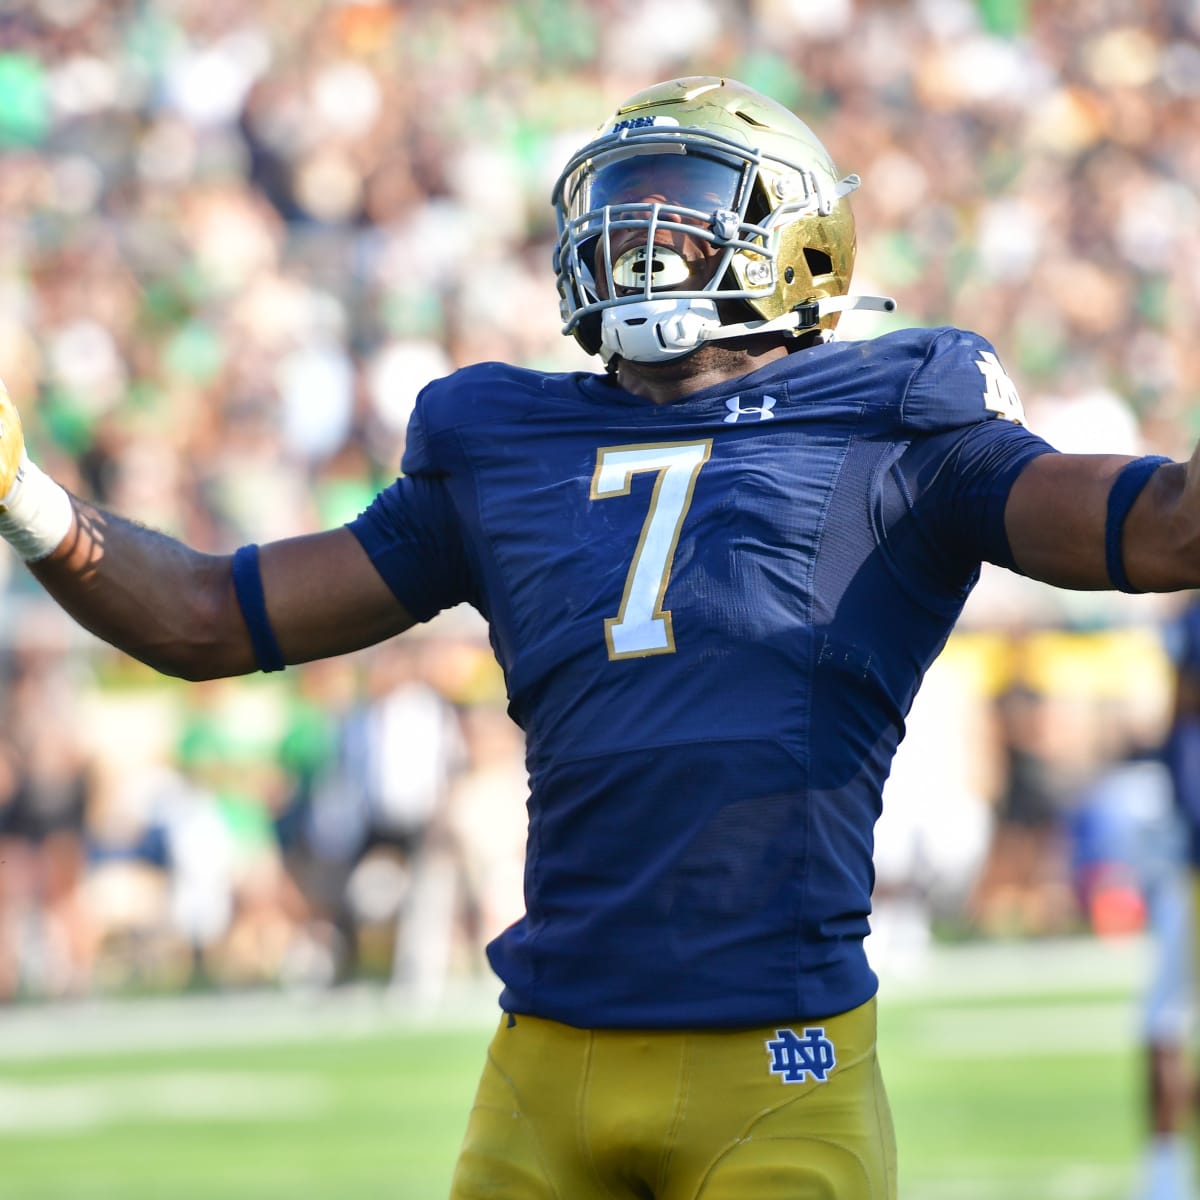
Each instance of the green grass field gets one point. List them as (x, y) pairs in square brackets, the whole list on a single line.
[(1022, 1087)]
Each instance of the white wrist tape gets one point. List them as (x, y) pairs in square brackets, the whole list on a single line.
[(36, 514)]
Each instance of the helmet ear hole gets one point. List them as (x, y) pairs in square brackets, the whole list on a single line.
[(819, 263)]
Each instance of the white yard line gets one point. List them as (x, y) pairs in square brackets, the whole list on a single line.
[(104, 1026), (944, 975), (72, 1106), (997, 1032), (1046, 1183)]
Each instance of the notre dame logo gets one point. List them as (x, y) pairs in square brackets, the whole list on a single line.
[(796, 1058), (1000, 395)]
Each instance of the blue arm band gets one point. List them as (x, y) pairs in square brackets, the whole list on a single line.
[(1126, 488), (247, 583)]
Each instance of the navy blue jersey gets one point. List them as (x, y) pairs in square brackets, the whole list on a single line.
[(712, 617)]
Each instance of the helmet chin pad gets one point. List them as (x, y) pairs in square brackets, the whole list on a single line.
[(655, 331)]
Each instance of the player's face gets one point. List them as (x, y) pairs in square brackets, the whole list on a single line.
[(687, 192)]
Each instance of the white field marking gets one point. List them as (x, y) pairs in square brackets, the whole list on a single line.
[(1076, 1182), (1005, 1031), (105, 1026), (1055, 966), (70, 1106)]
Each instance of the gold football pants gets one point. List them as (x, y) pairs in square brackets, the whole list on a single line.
[(792, 1111)]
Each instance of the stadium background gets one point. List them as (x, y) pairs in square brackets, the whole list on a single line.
[(236, 239)]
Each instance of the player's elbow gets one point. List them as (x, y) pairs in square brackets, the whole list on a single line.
[(168, 662), (192, 660), (204, 639), (183, 663)]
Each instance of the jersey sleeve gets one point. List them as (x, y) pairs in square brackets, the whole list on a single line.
[(412, 536), (959, 481), (411, 532), (422, 533), (960, 382)]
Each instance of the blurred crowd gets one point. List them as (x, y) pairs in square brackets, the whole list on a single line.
[(235, 242)]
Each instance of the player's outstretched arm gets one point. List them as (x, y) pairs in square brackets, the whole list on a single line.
[(1092, 521), (177, 609)]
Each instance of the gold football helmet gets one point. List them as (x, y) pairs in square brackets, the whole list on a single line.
[(701, 210)]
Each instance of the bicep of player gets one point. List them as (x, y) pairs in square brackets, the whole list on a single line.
[(1093, 521), (399, 562), (1056, 515), (321, 596)]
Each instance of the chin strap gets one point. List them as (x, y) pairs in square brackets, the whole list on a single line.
[(665, 329), (834, 304), (807, 316)]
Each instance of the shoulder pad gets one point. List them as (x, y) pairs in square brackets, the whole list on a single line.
[(959, 382), (475, 396)]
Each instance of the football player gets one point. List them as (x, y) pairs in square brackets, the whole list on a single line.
[(714, 573)]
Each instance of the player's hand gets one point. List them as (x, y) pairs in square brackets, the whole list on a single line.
[(12, 442)]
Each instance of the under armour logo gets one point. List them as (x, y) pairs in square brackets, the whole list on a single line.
[(795, 1058), (762, 412)]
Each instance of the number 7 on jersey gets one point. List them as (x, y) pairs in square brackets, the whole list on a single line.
[(642, 626)]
